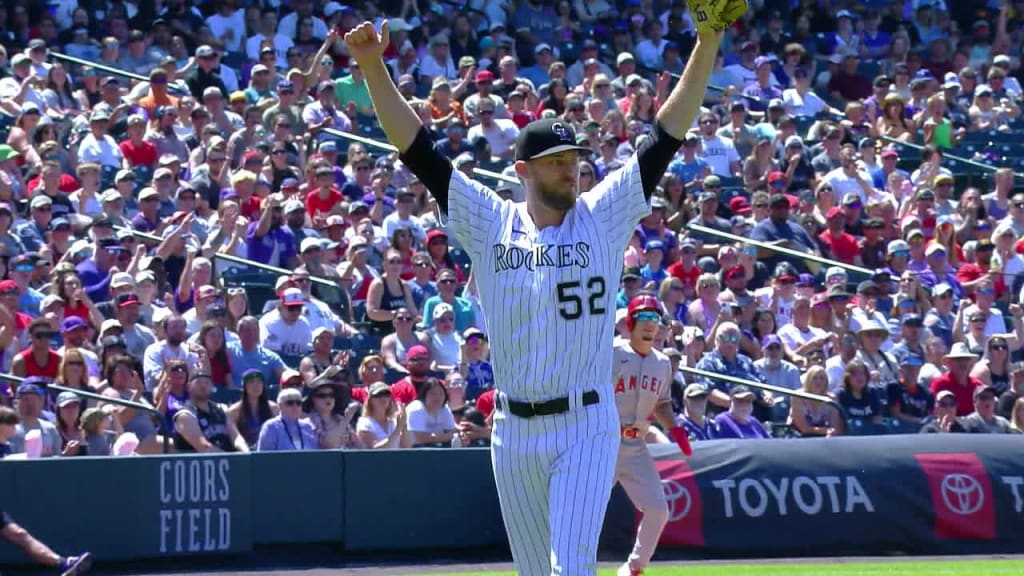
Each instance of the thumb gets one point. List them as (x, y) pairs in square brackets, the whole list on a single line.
[(385, 35)]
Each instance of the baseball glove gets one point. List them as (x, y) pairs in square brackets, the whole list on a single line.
[(715, 15)]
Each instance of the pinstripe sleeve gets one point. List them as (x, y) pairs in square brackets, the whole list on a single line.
[(618, 203), (473, 210)]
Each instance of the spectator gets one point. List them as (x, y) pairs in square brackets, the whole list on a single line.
[(430, 420), (693, 417), (726, 359), (39, 359), (417, 368), (984, 418), (171, 393), (1009, 398), (958, 380), (860, 400), (331, 412), (383, 422), (396, 345), (202, 425), (908, 400), (475, 366), (811, 418), (738, 422), (289, 430), (777, 371), (253, 409), (283, 329), (172, 347), (30, 401), (248, 353)]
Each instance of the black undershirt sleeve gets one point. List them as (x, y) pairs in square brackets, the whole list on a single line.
[(430, 166), (653, 157)]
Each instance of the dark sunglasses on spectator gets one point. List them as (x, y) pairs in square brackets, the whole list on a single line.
[(947, 403), (324, 395), (403, 318), (446, 281), (1000, 347), (292, 403), (734, 338), (394, 260), (421, 264), (446, 319), (486, 112), (177, 369), (44, 335)]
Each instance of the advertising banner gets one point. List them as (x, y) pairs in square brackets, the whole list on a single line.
[(927, 492)]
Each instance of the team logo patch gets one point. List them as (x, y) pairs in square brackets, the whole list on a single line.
[(561, 131)]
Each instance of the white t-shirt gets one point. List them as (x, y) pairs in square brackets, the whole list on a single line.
[(501, 135), (287, 26), (719, 152), (100, 151), (995, 324), (784, 312), (92, 206), (807, 105), (366, 424), (281, 46), (230, 29), (422, 421), (295, 339), (843, 185), (392, 222), (447, 349), (793, 338), (320, 315)]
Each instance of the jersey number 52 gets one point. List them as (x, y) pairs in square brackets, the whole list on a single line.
[(571, 297)]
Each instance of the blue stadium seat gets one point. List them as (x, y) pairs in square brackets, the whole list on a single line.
[(226, 395), (780, 411), (342, 343), (291, 360), (359, 310), (365, 343), (392, 376)]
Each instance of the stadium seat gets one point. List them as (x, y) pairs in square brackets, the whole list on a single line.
[(226, 395), (392, 376), (291, 360), (365, 343), (342, 343), (359, 310), (780, 411)]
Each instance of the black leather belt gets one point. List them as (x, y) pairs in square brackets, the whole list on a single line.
[(550, 407)]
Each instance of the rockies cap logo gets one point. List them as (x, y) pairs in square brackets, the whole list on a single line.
[(561, 131)]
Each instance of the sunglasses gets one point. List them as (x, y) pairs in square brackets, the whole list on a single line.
[(446, 281), (403, 318), (177, 369), (446, 319), (292, 403), (394, 260), (987, 291), (733, 338), (43, 335), (324, 395), (948, 403), (648, 317), (999, 347)]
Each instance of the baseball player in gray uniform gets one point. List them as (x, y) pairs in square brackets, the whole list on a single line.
[(643, 382), (547, 272)]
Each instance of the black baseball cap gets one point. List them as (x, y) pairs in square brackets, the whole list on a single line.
[(546, 137)]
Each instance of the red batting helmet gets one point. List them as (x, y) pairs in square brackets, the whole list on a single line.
[(641, 303)]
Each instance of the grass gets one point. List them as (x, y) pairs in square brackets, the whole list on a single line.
[(895, 568)]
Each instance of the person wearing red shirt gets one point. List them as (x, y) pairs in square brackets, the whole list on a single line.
[(417, 362), (321, 201), (9, 295), (39, 359), (244, 183), (686, 269), (137, 151), (485, 403), (840, 243), (958, 379)]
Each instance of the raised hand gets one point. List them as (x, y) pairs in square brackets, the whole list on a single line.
[(365, 44)]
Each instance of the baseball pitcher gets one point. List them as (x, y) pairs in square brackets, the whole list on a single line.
[(547, 272), (643, 382)]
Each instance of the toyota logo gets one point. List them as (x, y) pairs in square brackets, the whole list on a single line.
[(679, 500), (962, 494)]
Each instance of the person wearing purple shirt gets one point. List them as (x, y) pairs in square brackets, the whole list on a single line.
[(268, 240), (95, 271), (939, 271), (738, 422), (762, 91)]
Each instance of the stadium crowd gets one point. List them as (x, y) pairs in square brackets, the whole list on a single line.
[(132, 202)]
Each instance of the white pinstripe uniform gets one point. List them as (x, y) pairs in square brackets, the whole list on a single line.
[(549, 297)]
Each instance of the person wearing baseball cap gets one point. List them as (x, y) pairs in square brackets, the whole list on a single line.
[(284, 329), (694, 419), (738, 422)]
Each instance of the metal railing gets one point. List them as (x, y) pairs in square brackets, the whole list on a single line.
[(112, 70), (780, 249), (233, 259), (773, 389), (390, 148), (947, 156), (101, 398)]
